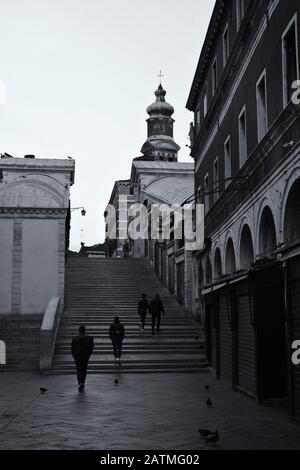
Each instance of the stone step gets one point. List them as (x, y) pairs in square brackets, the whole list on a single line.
[(127, 310), (103, 343), (103, 371), (109, 365), (137, 352), (104, 318), (104, 335), (65, 345), (130, 328), (174, 358), (135, 342)]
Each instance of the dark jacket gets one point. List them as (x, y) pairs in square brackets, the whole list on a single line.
[(143, 306), (116, 332), (156, 307), (82, 347)]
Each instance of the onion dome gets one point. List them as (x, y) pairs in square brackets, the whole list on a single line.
[(160, 107)]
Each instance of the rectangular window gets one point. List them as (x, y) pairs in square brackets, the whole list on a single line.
[(243, 152), (262, 110), (199, 196), (225, 46), (227, 161), (290, 60), (197, 118), (205, 101), (206, 197), (216, 179), (240, 11), (214, 76)]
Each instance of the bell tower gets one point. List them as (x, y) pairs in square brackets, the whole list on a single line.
[(160, 144)]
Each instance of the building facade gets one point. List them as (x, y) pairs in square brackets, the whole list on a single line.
[(34, 239), (165, 184), (116, 240), (34, 228), (157, 178), (245, 142)]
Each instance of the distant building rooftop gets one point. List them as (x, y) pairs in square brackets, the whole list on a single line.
[(98, 248), (171, 190), (162, 165)]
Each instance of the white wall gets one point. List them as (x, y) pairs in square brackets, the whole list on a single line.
[(6, 244), (39, 264)]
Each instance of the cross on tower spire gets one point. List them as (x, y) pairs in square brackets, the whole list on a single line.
[(160, 75)]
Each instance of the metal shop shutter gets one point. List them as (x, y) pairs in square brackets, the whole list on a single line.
[(294, 312), (164, 266), (180, 283), (214, 336), (225, 339), (156, 259), (171, 274), (246, 371)]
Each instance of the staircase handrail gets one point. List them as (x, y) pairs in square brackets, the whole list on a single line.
[(48, 333)]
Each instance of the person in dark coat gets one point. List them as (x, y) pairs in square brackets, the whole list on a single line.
[(116, 334), (143, 306), (82, 348), (156, 308)]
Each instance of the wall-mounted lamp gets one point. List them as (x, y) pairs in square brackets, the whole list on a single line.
[(83, 211)]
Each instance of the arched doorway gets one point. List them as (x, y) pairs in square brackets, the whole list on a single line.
[(230, 260), (267, 234), (217, 265), (208, 272), (246, 248), (200, 278), (291, 233), (292, 214)]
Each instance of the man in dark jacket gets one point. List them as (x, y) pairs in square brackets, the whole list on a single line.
[(82, 348), (116, 334), (143, 306), (156, 309)]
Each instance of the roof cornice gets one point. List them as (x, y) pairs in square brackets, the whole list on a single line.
[(218, 14)]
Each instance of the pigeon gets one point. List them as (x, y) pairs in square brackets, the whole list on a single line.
[(116, 382), (209, 402), (43, 390), (206, 387), (205, 432), (213, 439)]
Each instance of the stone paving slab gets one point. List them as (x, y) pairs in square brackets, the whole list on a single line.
[(143, 412)]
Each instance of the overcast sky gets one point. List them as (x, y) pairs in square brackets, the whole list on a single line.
[(79, 75)]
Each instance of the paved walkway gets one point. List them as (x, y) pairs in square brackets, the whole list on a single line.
[(162, 411)]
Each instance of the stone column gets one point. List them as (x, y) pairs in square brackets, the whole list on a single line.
[(16, 267), (188, 281)]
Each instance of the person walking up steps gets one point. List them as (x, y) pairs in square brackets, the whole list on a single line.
[(143, 306), (82, 348), (116, 334), (156, 309)]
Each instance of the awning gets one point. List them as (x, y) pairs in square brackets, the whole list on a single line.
[(216, 287), (212, 289)]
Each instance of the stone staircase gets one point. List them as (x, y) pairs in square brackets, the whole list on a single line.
[(96, 291), (21, 334)]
